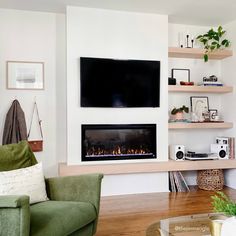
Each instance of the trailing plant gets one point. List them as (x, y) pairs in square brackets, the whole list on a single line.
[(222, 203), (213, 40), (181, 109)]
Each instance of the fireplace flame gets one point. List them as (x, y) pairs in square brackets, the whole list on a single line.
[(117, 151)]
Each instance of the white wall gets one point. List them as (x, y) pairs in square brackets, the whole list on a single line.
[(196, 140), (31, 36), (114, 34), (229, 74)]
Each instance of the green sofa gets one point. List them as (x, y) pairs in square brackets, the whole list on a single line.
[(73, 207)]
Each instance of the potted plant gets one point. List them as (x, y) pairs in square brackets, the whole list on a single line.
[(223, 204), (213, 40), (178, 113)]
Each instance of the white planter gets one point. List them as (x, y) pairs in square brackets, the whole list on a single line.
[(229, 227)]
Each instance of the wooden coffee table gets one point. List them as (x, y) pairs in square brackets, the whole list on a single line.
[(191, 225)]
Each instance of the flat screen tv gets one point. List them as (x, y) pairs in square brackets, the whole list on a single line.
[(119, 83)]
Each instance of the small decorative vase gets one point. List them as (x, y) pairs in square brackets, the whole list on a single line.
[(229, 227), (179, 116), (216, 224)]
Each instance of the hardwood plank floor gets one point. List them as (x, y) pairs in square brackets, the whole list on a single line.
[(130, 215)]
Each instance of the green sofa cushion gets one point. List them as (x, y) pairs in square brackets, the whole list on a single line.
[(60, 217), (16, 156)]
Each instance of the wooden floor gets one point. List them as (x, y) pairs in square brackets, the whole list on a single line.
[(130, 215)]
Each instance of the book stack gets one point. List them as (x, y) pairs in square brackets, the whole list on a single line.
[(177, 182), (231, 148), (211, 83)]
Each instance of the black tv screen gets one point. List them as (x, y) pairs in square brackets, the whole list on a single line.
[(119, 83)]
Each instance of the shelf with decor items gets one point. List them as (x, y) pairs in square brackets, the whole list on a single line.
[(201, 125), (164, 166), (197, 53), (200, 89)]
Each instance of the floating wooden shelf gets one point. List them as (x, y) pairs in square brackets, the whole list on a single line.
[(110, 169), (198, 53), (200, 89), (225, 125)]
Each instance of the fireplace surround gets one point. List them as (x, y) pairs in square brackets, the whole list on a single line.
[(118, 142)]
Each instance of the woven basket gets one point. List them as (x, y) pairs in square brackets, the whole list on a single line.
[(210, 179)]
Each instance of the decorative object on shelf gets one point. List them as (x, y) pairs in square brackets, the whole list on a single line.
[(25, 75), (211, 78), (213, 114), (178, 113), (222, 203), (186, 83), (36, 145), (192, 41), (181, 75), (213, 40), (211, 180), (206, 116), (187, 41), (211, 81), (199, 106), (171, 81)]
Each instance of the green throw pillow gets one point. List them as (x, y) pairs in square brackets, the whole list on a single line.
[(16, 156)]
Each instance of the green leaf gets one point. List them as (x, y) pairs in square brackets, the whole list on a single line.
[(205, 57), (199, 36), (220, 29), (224, 42), (212, 47), (227, 44)]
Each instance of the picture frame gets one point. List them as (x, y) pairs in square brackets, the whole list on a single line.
[(180, 75), (199, 106), (25, 75), (213, 114)]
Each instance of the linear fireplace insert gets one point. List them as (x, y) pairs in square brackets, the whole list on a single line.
[(118, 142)]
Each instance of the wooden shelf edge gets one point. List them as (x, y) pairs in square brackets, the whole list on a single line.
[(225, 125), (131, 168), (197, 53), (200, 89)]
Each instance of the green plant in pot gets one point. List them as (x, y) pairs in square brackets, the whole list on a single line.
[(178, 113), (213, 40), (223, 204)]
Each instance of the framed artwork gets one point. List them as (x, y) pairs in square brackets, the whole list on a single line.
[(25, 75), (180, 75), (213, 114), (199, 106)]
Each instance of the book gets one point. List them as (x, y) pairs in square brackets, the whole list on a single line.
[(177, 182), (172, 183), (184, 183)]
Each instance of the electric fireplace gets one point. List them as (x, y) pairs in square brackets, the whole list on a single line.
[(118, 142)]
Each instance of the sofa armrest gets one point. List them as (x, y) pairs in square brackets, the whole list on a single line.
[(83, 188), (14, 215), (13, 201)]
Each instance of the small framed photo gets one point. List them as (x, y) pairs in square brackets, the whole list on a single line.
[(213, 114), (25, 75), (199, 106), (180, 75)]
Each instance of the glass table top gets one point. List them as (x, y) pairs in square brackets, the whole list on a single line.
[(191, 225)]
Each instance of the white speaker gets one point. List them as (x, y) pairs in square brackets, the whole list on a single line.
[(221, 150), (177, 152)]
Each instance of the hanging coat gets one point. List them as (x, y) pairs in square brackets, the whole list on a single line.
[(15, 126)]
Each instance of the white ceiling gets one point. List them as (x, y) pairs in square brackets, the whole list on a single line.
[(197, 12)]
